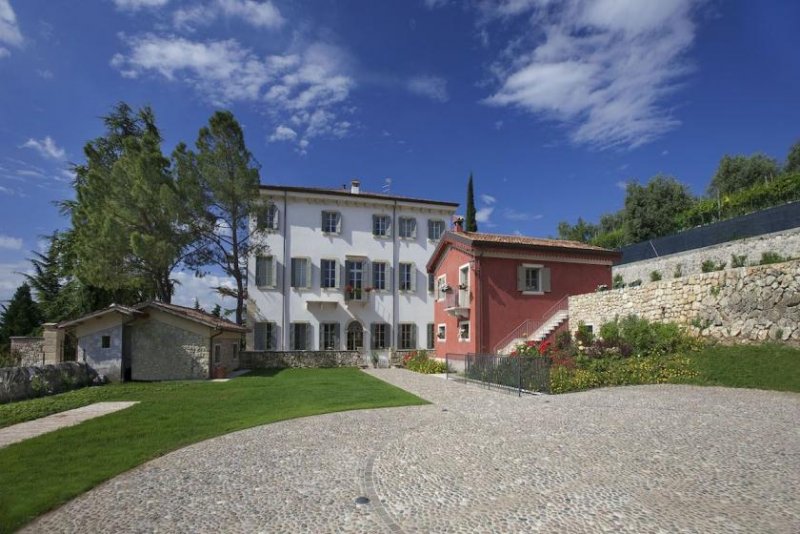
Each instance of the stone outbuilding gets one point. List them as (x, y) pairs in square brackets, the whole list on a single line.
[(156, 341)]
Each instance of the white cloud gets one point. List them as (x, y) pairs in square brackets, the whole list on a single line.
[(189, 287), (11, 243), (433, 87), (45, 73), (664, 152), (601, 68), (488, 199), (9, 29), (6, 190), (11, 278), (304, 89), (283, 133), (258, 14), (622, 184), (513, 215), (46, 148), (434, 4), (483, 214), (498, 125), (135, 5)]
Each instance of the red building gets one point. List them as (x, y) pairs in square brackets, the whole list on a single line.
[(494, 291)]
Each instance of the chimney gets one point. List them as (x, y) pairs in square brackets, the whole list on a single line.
[(458, 224), (355, 187)]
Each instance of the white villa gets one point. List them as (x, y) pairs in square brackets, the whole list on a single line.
[(345, 270)]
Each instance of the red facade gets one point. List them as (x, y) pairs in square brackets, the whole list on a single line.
[(510, 280)]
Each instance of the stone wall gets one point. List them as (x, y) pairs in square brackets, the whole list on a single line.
[(17, 383), (28, 350), (785, 243), (287, 359), (163, 351), (748, 304)]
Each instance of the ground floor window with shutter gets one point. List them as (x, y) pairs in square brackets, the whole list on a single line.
[(380, 336), (264, 336), (329, 336), (300, 335), (407, 337), (431, 336)]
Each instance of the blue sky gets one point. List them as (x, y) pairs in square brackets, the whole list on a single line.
[(553, 104)]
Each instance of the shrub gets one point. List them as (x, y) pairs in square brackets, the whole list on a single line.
[(563, 340), (678, 271), (709, 266), (420, 362), (655, 276), (610, 333), (738, 260), (635, 283), (770, 257), (658, 369), (618, 282)]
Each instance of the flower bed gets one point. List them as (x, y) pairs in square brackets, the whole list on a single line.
[(420, 362)]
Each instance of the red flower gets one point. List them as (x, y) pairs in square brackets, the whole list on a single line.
[(530, 343)]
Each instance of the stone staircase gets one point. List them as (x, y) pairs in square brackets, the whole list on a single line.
[(541, 332)]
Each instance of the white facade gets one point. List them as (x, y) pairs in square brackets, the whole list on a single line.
[(275, 307)]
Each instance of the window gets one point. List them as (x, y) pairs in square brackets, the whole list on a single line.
[(431, 336), (268, 218), (533, 279), (217, 353), (265, 271), (331, 222), (328, 274), (300, 335), (431, 282), (264, 337), (435, 229), (463, 331), (354, 280), (407, 337), (105, 342), (441, 284), (381, 225), (380, 336), (379, 278), (441, 332), (407, 227), (463, 285), (406, 275), (329, 336), (301, 276)]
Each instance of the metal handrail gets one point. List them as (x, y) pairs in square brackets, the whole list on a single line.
[(531, 325)]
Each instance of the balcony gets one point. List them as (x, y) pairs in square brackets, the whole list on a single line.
[(456, 303), (355, 295)]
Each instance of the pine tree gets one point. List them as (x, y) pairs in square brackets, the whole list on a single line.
[(471, 222), (21, 317), (221, 183)]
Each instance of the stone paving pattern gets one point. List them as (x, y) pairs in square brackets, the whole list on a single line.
[(31, 429), (633, 459)]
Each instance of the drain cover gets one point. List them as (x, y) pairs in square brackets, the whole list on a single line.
[(362, 500)]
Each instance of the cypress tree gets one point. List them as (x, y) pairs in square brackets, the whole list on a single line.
[(471, 223), (21, 317)]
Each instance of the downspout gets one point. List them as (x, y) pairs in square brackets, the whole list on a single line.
[(395, 280), (284, 281), (480, 305)]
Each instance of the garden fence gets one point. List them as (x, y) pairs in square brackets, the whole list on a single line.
[(520, 374)]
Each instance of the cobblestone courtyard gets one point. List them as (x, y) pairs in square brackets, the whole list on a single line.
[(634, 459)]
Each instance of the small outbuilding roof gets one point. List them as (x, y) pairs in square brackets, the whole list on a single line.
[(191, 314)]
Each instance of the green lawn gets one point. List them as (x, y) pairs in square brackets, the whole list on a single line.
[(41, 473), (768, 366)]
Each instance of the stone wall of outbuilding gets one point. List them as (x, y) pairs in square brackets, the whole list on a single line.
[(28, 350), (744, 304), (164, 351)]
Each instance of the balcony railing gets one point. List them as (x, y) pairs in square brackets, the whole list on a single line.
[(356, 295), (457, 303)]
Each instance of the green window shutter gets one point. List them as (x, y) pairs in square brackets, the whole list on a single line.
[(261, 271), (546, 280), (292, 328), (520, 278), (259, 336), (412, 273)]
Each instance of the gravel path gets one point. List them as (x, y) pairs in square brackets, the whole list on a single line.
[(634, 459)]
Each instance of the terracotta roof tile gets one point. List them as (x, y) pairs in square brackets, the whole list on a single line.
[(197, 315), (477, 237)]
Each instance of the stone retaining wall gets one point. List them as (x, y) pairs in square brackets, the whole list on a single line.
[(28, 350), (17, 383), (749, 303), (785, 243), (303, 359)]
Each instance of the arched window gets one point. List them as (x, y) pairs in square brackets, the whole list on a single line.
[(355, 336)]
